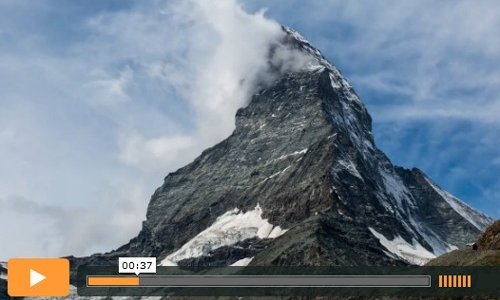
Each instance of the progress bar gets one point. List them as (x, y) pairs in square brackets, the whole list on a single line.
[(260, 281), (113, 281)]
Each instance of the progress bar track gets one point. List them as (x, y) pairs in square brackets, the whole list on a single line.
[(260, 281)]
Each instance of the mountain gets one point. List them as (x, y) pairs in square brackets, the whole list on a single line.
[(484, 252), (3, 281), (300, 181)]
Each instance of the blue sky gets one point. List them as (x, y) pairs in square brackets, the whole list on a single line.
[(101, 99)]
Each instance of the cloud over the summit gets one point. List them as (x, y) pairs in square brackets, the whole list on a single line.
[(216, 54), (98, 110)]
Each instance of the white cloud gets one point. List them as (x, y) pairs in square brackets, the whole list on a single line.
[(98, 117), (487, 113), (212, 55), (155, 153), (225, 76), (109, 90), (38, 229)]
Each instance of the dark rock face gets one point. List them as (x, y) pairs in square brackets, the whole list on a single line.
[(3, 283), (303, 151), (3, 290), (490, 239), (227, 255)]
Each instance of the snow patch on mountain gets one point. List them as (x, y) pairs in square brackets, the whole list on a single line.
[(479, 220), (242, 262), (439, 246), (333, 81), (303, 151), (348, 165), (413, 253), (277, 173), (395, 187), (3, 268), (347, 119), (230, 228)]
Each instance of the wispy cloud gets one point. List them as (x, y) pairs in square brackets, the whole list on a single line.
[(36, 229), (208, 56), (113, 102)]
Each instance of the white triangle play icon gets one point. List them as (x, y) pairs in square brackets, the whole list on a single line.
[(35, 278)]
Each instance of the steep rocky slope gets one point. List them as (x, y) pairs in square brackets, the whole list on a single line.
[(490, 239), (486, 251)]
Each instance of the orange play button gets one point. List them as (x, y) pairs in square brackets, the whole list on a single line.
[(38, 277)]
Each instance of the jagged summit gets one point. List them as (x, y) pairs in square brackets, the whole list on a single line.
[(300, 181)]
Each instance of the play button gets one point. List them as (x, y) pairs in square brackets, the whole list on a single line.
[(36, 278)]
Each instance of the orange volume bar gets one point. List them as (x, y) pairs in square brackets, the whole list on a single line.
[(112, 281)]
